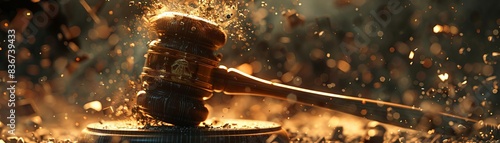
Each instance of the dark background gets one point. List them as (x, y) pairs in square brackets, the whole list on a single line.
[(68, 55)]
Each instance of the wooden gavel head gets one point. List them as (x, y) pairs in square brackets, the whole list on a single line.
[(177, 73)]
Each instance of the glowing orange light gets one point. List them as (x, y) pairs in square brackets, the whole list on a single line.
[(411, 55), (443, 77), (246, 68), (437, 29)]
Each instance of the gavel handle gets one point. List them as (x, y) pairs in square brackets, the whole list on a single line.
[(234, 82)]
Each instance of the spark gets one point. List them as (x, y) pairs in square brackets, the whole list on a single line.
[(437, 29), (443, 77), (411, 55)]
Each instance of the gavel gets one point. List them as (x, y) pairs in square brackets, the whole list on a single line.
[(181, 71)]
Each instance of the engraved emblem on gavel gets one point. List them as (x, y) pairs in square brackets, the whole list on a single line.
[(184, 49), (180, 69)]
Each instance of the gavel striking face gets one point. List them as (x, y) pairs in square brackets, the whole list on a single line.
[(177, 72)]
